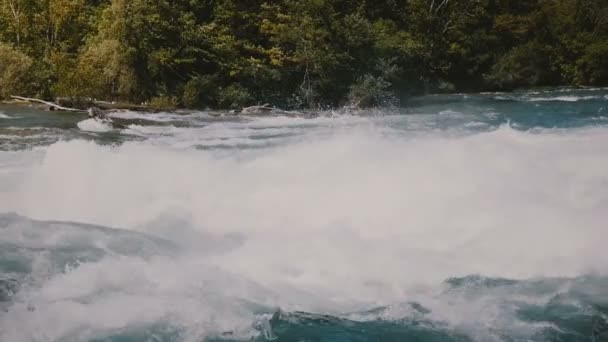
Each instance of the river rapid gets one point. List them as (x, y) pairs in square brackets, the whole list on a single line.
[(467, 217)]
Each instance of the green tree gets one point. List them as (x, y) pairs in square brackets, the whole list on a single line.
[(298, 53)]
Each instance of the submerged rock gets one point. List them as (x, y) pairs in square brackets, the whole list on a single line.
[(95, 112), (8, 288)]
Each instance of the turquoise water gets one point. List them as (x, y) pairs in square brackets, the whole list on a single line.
[(469, 217)]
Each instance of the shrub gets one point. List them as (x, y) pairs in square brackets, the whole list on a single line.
[(103, 71), (199, 92), (15, 71), (592, 67), (370, 91), (234, 96), (525, 66), (164, 102)]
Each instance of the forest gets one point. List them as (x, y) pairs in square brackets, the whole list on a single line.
[(296, 53)]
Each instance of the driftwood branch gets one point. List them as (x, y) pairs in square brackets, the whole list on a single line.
[(266, 110), (50, 104), (257, 109)]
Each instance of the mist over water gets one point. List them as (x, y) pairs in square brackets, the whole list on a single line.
[(457, 218)]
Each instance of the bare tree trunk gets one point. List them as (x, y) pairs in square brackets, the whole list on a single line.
[(444, 3), (50, 104), (16, 11)]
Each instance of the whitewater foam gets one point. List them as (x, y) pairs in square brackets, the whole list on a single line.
[(343, 184), (336, 222), (94, 125), (564, 98)]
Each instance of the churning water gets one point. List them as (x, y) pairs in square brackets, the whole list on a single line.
[(457, 218)]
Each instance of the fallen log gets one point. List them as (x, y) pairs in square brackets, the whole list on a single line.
[(264, 109), (105, 105), (257, 109), (50, 104), (83, 102)]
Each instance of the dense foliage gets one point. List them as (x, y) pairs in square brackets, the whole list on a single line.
[(296, 53)]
